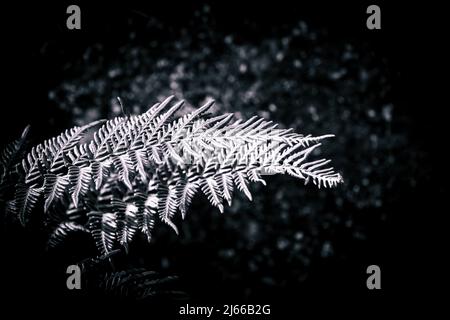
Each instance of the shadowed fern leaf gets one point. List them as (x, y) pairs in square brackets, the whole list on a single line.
[(9, 159), (139, 284)]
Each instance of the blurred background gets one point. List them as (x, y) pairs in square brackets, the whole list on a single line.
[(311, 67)]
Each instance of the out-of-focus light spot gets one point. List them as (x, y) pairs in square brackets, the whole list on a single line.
[(387, 112), (327, 250), (282, 243)]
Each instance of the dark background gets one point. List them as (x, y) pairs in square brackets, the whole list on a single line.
[(293, 245)]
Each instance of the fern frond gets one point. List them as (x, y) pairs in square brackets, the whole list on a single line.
[(62, 231), (168, 204), (138, 170), (125, 168), (54, 188), (139, 284), (80, 179), (187, 189), (150, 210), (127, 221), (25, 200), (9, 159), (103, 227), (63, 143)]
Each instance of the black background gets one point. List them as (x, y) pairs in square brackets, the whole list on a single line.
[(405, 39)]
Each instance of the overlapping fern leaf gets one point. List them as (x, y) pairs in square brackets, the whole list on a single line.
[(138, 284), (116, 179)]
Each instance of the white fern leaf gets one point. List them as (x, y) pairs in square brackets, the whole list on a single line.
[(54, 188), (140, 169), (80, 179), (168, 204), (241, 182), (150, 210), (25, 200), (187, 191), (125, 168), (103, 228)]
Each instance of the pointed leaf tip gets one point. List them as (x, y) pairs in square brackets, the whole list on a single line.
[(209, 104), (25, 132)]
